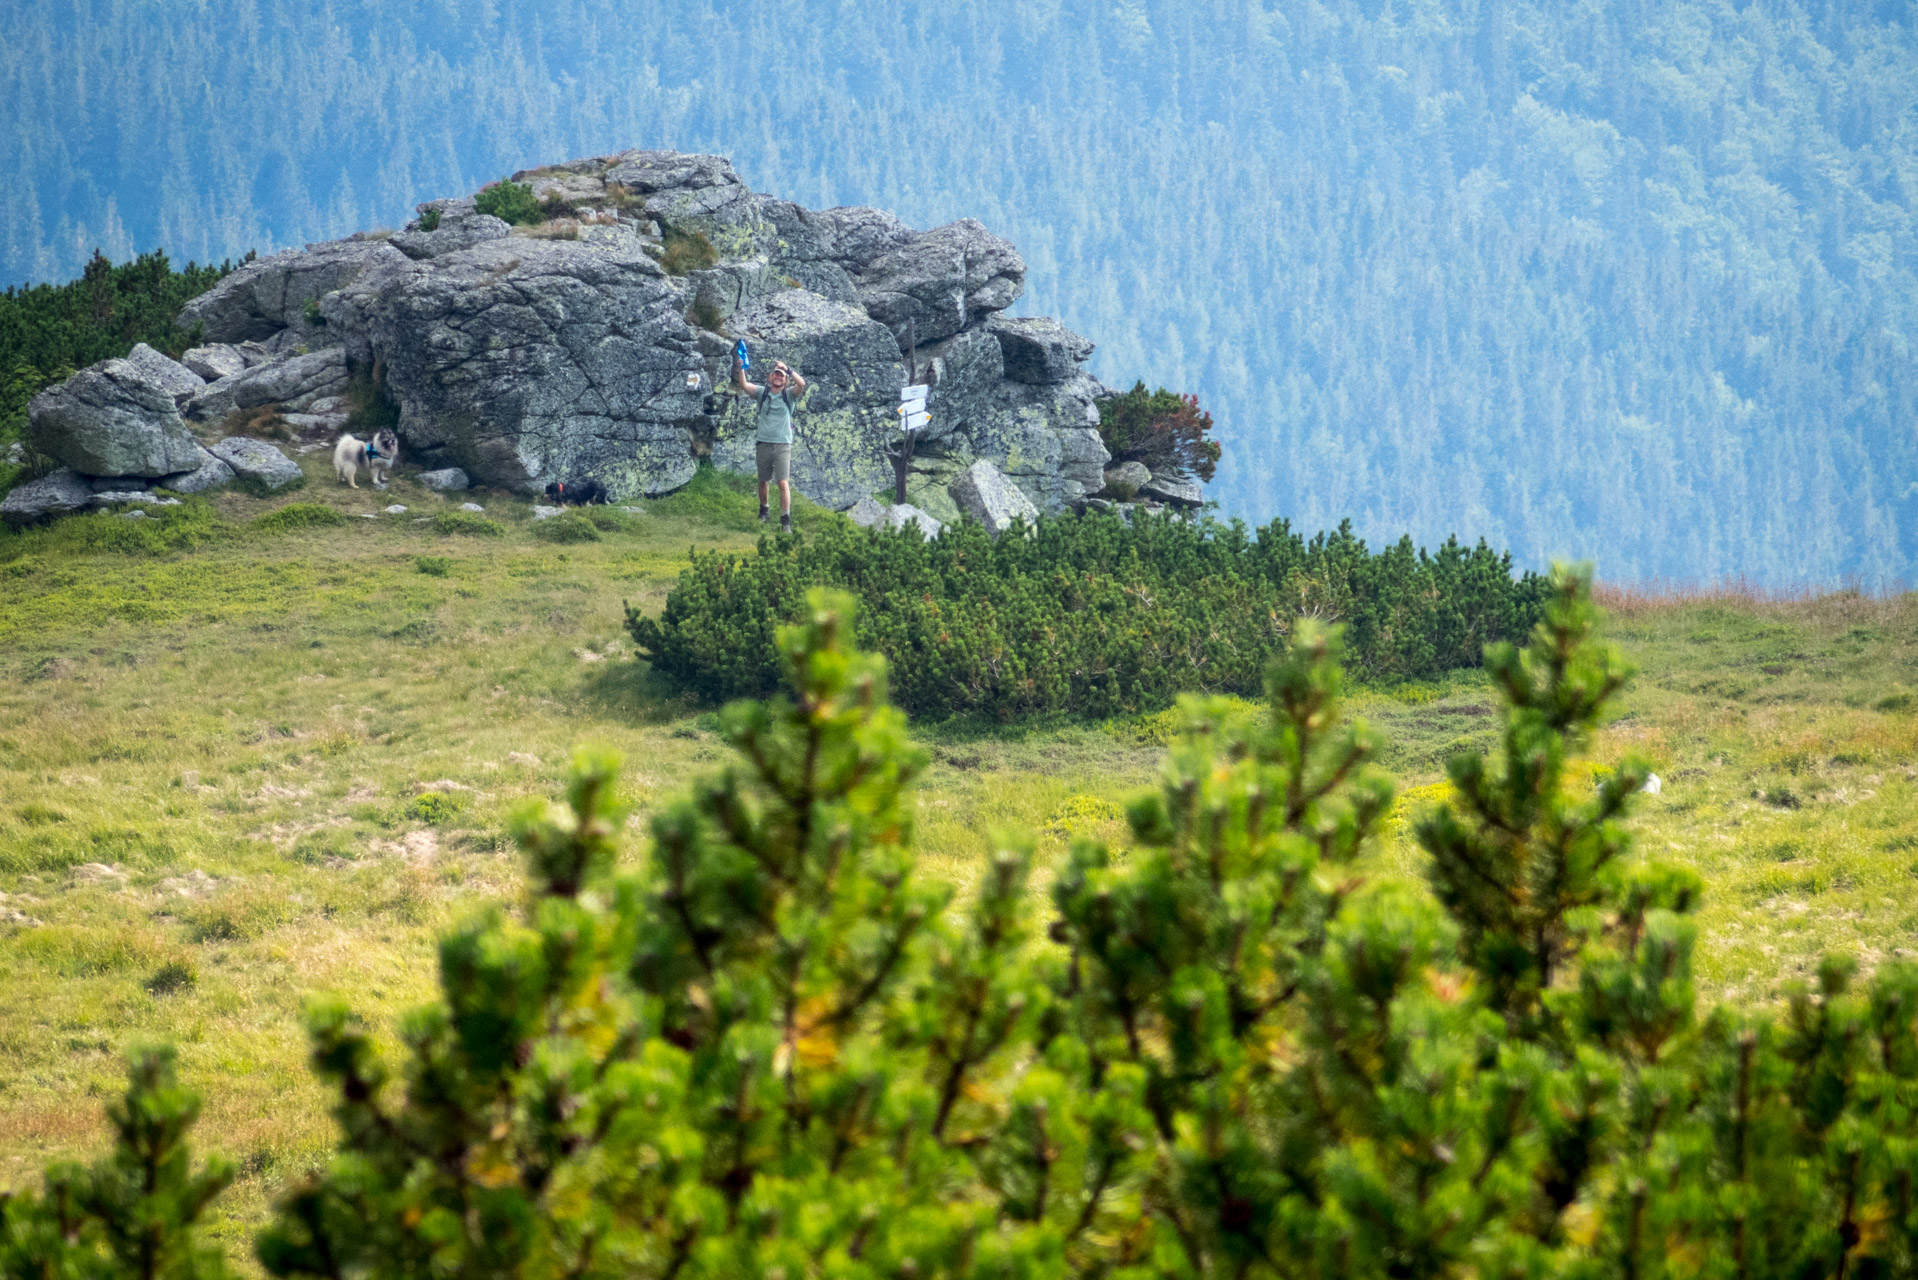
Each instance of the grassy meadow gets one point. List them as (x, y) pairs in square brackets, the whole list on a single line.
[(255, 751)]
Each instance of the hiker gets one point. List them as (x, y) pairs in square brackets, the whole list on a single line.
[(773, 441)]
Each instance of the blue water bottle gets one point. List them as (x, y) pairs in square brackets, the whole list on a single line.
[(739, 354)]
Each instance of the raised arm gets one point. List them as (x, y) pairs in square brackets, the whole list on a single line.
[(739, 380)]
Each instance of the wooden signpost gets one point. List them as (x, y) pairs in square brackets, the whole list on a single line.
[(913, 416)]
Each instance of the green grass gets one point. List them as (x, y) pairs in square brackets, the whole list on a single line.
[(300, 515), (566, 528), (248, 755), (725, 500)]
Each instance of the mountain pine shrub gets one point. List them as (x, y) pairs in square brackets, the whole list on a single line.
[(133, 1216), (1166, 431), (48, 331), (1092, 616), (511, 202), (775, 1050)]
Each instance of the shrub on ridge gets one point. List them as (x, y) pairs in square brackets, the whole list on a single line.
[(1093, 616)]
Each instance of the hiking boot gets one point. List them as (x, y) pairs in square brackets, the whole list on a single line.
[(785, 522), (763, 513)]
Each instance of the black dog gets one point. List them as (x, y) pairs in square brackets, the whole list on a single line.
[(578, 492)]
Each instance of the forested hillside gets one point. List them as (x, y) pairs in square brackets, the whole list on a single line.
[(1634, 280)]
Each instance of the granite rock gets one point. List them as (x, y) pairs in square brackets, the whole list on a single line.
[(984, 493), (258, 461), (1038, 348), (293, 383), (867, 512), (1132, 476), (461, 227), (1174, 490), (172, 377), (942, 281), (901, 514), (54, 494), (112, 419), (445, 480), (523, 361), (217, 360), (268, 297), (210, 474)]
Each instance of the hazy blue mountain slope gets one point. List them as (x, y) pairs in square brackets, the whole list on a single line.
[(1626, 280)]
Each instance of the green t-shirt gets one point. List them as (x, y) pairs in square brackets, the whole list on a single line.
[(775, 417)]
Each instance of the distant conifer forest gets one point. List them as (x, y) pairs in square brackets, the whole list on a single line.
[(1634, 281)]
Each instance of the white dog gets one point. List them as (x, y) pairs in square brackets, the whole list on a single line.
[(379, 454)]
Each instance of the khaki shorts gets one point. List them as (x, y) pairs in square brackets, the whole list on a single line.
[(775, 462)]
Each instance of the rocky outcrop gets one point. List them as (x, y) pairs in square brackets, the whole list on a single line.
[(113, 419), (599, 344)]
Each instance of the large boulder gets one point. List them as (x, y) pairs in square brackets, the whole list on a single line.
[(942, 281), (112, 419), (258, 461), (985, 494), (294, 383), (56, 494), (848, 414), (269, 296), (1039, 348), (525, 361)]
